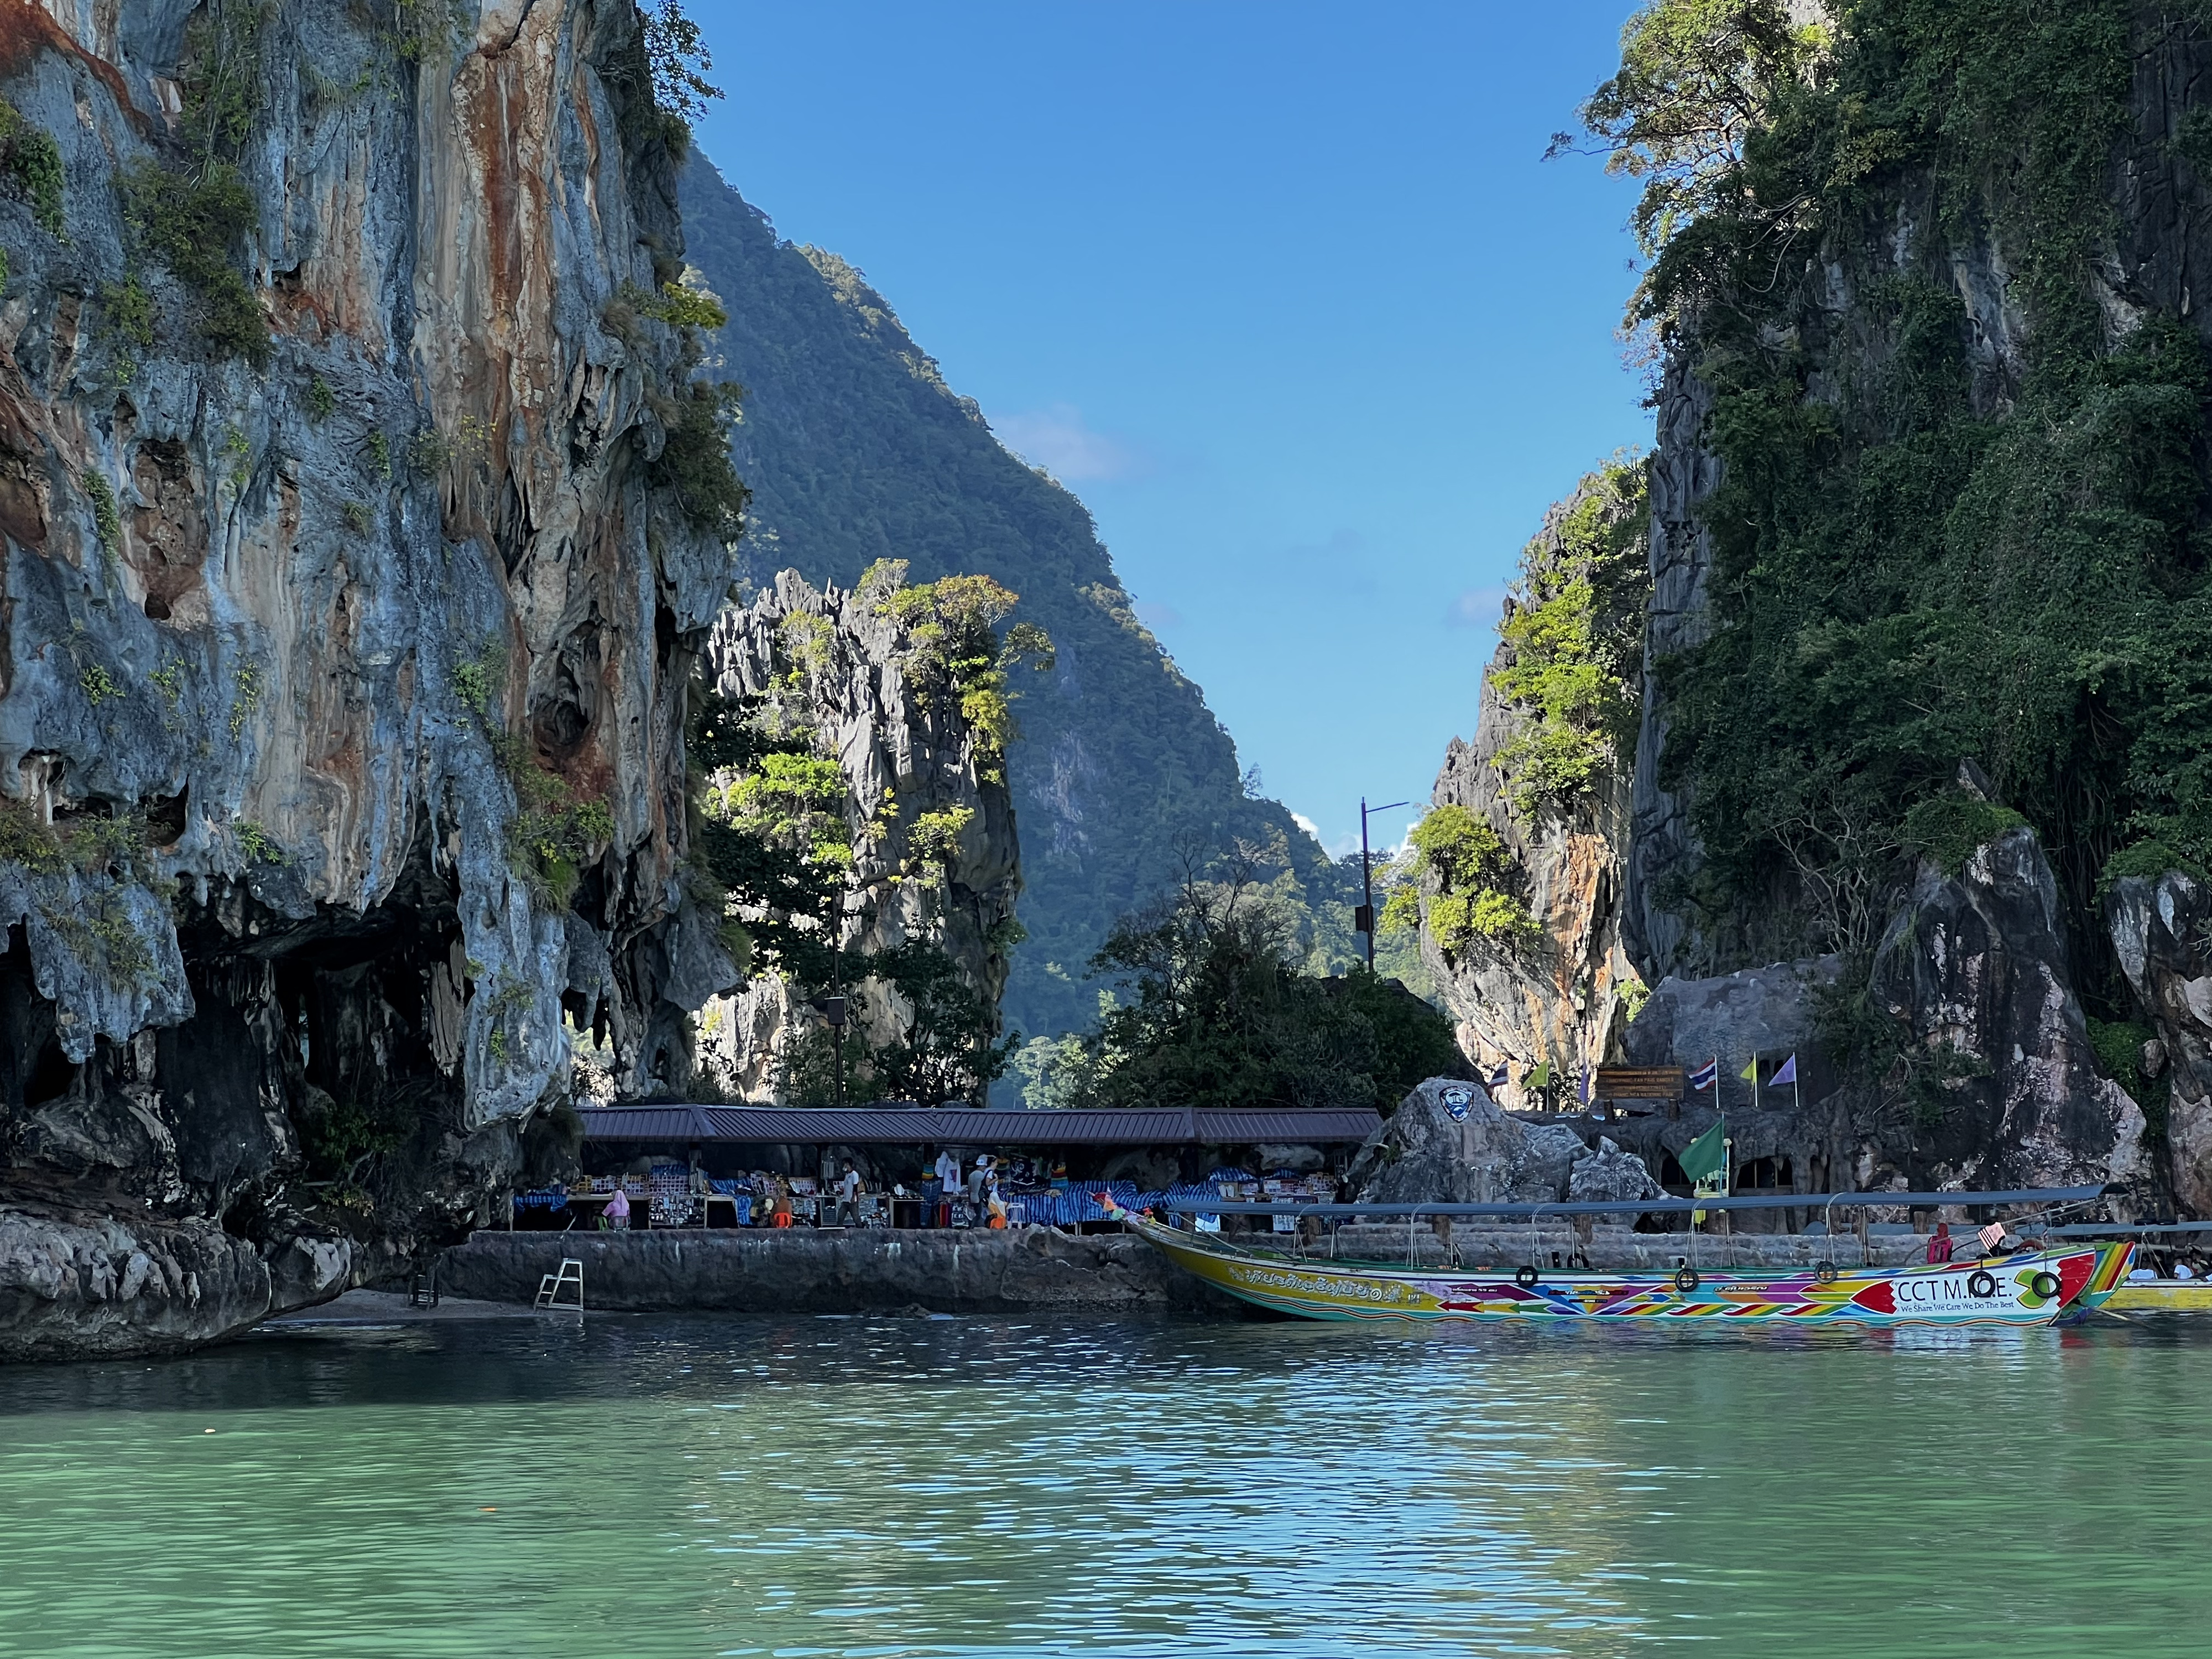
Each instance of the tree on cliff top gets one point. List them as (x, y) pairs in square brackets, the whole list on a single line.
[(1697, 78)]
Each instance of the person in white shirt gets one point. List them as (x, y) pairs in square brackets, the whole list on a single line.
[(848, 1196)]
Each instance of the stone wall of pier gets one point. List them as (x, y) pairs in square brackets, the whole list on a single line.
[(803, 1270)]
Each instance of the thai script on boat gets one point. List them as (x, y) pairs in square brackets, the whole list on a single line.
[(1309, 1285)]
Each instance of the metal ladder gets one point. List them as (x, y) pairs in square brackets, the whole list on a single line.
[(571, 1276)]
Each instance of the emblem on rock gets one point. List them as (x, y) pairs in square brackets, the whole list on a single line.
[(1458, 1099)]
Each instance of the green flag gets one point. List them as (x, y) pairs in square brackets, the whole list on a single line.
[(1707, 1153), (1539, 1079)]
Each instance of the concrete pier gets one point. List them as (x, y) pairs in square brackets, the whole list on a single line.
[(805, 1270)]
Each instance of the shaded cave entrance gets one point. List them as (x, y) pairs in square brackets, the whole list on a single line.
[(318, 1072)]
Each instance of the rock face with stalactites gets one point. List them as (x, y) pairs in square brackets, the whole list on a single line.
[(1990, 1081), (294, 1031), (2161, 931), (1423, 1154), (906, 751), (1976, 970)]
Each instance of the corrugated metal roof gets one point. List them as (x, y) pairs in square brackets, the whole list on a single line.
[(645, 1123), (771, 1126), (1256, 1124)]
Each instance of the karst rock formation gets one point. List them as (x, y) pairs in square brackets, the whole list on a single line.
[(345, 642)]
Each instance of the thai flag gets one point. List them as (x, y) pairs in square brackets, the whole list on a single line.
[(1498, 1079), (1706, 1075)]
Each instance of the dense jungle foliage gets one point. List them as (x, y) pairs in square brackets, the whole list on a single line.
[(855, 450), (1210, 1006), (1921, 557)]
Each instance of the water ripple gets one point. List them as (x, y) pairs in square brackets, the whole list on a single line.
[(677, 1487)]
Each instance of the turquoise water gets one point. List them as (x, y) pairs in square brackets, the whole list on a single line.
[(650, 1486)]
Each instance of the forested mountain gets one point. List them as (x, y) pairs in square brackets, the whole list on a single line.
[(855, 450)]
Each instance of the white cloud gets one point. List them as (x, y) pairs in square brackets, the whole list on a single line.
[(1477, 607), (1306, 824), (1055, 439)]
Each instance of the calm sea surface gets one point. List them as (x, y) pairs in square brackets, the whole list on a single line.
[(650, 1487)]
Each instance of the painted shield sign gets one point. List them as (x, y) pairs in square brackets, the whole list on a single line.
[(1457, 1100)]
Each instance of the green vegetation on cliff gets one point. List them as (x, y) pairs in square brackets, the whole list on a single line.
[(1575, 630), (854, 450), (1929, 545), (1473, 879)]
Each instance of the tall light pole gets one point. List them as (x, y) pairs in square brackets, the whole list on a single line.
[(1362, 919)]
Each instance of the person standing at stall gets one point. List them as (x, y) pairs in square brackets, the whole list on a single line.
[(848, 1196), (948, 1183), (976, 1176), (619, 1209)]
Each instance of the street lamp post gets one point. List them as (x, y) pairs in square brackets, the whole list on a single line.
[(833, 1009), (1362, 919)]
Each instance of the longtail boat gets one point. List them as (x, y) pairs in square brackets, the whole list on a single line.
[(2028, 1287)]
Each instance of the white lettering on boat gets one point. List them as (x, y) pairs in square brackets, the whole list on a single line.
[(1365, 1290)]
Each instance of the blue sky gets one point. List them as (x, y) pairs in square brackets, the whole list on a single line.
[(1282, 291)]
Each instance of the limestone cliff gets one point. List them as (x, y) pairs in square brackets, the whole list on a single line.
[(1921, 746), (351, 590), (2161, 931), (923, 803), (1548, 777)]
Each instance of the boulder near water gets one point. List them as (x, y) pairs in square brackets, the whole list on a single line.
[(1449, 1143)]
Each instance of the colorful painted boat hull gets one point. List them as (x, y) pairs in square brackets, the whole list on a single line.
[(2015, 1290)]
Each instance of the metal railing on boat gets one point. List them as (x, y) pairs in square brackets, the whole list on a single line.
[(1827, 1202), (2123, 1229)]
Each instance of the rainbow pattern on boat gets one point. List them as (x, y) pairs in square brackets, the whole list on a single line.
[(2034, 1287)]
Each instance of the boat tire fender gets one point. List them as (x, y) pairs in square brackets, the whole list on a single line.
[(1686, 1279), (1525, 1278), (1825, 1273), (1983, 1283), (2045, 1285)]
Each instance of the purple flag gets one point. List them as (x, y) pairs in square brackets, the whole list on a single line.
[(1788, 1073)]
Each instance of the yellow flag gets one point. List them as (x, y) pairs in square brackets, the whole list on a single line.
[(1750, 1074)]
